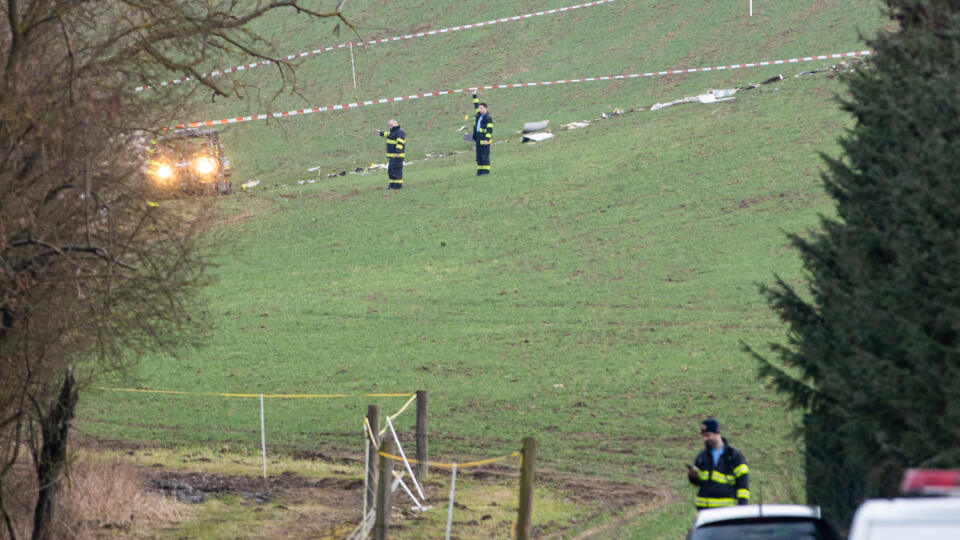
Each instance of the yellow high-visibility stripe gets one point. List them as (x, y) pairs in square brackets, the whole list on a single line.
[(721, 478), (743, 494), (396, 155), (483, 167), (741, 470), (708, 502)]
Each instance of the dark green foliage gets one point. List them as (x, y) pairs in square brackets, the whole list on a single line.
[(873, 349)]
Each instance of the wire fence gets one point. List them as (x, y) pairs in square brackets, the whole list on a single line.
[(376, 440), (248, 420)]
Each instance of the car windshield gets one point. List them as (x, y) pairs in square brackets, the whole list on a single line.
[(756, 529)]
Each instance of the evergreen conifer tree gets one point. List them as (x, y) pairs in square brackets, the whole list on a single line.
[(874, 343)]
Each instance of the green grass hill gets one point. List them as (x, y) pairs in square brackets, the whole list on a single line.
[(593, 292)]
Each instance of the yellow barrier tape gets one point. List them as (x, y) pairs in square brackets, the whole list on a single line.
[(373, 438), (141, 390), (273, 396), (450, 465), (396, 414)]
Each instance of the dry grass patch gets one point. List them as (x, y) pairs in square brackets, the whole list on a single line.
[(98, 498), (106, 493)]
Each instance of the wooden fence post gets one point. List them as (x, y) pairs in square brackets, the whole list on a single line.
[(383, 492), (373, 416), (525, 511), (421, 436)]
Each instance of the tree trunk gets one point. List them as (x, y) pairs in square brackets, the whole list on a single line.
[(52, 457), (7, 520)]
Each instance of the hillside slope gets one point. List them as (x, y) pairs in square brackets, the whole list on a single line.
[(593, 292), (620, 37)]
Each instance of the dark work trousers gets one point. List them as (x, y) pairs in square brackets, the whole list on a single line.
[(483, 158), (395, 172)]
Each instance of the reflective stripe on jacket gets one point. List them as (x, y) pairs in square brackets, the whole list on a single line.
[(396, 142), (727, 483)]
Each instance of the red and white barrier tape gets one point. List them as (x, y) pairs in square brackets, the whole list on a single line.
[(384, 40), (356, 104)]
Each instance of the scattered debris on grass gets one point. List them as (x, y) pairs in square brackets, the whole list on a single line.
[(536, 137), (530, 128), (534, 132), (711, 96)]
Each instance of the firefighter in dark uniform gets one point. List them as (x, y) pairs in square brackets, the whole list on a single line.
[(483, 135), (720, 470), (396, 144)]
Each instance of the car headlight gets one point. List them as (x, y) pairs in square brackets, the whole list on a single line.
[(205, 165), (162, 173)]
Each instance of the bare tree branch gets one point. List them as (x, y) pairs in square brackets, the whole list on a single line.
[(88, 270)]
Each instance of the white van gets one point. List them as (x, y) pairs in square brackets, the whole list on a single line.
[(921, 518), (918, 517)]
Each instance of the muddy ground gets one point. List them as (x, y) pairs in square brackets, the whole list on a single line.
[(341, 497), (307, 507)]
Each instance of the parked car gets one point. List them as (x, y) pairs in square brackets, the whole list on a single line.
[(762, 522), (929, 509)]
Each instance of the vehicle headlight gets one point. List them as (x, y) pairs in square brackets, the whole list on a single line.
[(205, 165), (163, 172)]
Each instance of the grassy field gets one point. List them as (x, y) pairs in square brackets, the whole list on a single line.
[(594, 292), (621, 37)]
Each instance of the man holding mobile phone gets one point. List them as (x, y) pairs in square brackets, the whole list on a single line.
[(720, 470)]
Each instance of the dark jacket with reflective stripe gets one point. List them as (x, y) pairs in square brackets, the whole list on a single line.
[(483, 134), (727, 484), (396, 142)]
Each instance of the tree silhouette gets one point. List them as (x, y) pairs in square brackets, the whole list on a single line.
[(92, 271), (873, 341)]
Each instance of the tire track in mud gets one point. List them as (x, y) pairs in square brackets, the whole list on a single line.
[(660, 500)]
